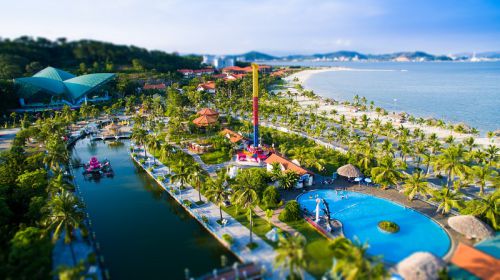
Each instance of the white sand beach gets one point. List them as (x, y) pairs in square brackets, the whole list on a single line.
[(350, 112)]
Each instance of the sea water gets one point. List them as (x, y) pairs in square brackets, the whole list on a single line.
[(467, 92)]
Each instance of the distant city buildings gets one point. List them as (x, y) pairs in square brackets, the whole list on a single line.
[(218, 61)]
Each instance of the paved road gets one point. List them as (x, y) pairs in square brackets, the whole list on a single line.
[(6, 137)]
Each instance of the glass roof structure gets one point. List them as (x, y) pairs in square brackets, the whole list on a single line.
[(61, 83)]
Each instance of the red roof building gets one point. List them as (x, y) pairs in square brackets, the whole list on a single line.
[(161, 86), (207, 86)]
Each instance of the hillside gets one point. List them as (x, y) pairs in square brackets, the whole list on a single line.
[(26, 55)]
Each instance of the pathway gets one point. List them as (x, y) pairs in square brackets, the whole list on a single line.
[(275, 220), (6, 137)]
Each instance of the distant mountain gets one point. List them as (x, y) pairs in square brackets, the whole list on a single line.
[(254, 56), (347, 56)]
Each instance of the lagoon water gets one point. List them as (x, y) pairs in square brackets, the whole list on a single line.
[(466, 92), (143, 233)]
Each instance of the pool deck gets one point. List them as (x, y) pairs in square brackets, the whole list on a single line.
[(397, 197)]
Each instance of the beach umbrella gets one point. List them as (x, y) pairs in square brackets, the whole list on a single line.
[(350, 171), (358, 179), (470, 226), (420, 266), (272, 235), (368, 180)]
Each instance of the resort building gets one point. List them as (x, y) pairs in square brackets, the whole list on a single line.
[(53, 87), (266, 69), (234, 137), (306, 176), (207, 87), (190, 73), (218, 61), (160, 86)]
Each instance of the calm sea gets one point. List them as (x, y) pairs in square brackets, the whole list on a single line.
[(454, 91)]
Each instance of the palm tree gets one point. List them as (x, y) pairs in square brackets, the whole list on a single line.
[(492, 154), (288, 179), (469, 143), (139, 135), (290, 255), (217, 192), (482, 175), (57, 184), (181, 173), (416, 183), (154, 144), (57, 154), (351, 261), (197, 178), (451, 161), (386, 173), (64, 215), (246, 197), (485, 207), (447, 200)]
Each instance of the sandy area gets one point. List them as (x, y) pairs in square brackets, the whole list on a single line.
[(349, 112)]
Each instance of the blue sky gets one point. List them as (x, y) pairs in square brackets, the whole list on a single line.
[(274, 26)]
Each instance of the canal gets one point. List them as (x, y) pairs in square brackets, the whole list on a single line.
[(143, 233)]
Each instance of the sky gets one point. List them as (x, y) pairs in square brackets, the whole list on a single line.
[(277, 27)]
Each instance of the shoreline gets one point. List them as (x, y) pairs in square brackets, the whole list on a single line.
[(304, 75)]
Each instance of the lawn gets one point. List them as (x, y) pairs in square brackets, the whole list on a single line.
[(215, 157), (318, 255), (260, 226)]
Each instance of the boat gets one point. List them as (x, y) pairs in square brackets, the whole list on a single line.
[(96, 168)]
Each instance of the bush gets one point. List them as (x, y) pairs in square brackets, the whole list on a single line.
[(252, 245), (291, 212), (388, 226), (271, 197), (228, 238), (204, 219), (187, 202)]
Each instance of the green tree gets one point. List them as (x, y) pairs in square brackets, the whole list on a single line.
[(447, 200), (217, 192), (139, 135), (288, 180), (451, 162), (486, 208), (351, 261), (197, 178), (416, 184), (30, 255), (290, 255), (246, 197), (271, 197), (181, 173), (482, 175), (386, 173), (64, 215)]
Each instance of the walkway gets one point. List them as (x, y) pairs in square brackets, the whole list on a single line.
[(275, 220), (264, 254), (6, 137)]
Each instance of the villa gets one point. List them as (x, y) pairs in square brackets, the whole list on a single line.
[(55, 87), (207, 87), (306, 176)]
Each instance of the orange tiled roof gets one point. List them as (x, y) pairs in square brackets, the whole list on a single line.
[(234, 137), (476, 262), (205, 120), (208, 85), (208, 112), (287, 164)]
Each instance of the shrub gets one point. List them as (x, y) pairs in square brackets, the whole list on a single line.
[(142, 161), (271, 197), (252, 245), (187, 202), (228, 238), (204, 219), (388, 226), (291, 212)]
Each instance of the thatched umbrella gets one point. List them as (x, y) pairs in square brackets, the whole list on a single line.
[(470, 226), (350, 171), (420, 266), (205, 121)]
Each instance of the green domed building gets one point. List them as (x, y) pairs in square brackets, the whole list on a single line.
[(55, 87)]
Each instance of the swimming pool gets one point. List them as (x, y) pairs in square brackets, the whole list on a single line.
[(360, 214)]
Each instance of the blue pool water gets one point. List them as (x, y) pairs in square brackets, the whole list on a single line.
[(360, 214)]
